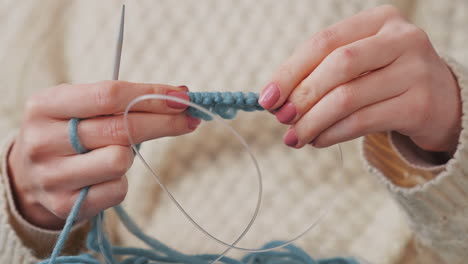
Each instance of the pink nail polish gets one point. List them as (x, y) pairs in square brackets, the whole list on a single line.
[(193, 122), (177, 105), (270, 96), (290, 138), (286, 113)]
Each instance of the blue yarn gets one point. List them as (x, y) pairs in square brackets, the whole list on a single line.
[(68, 225), (225, 105), (75, 140), (73, 134), (159, 253)]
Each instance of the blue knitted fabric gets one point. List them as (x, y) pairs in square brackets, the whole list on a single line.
[(224, 104)]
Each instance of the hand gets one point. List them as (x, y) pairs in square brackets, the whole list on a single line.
[(370, 73), (47, 174)]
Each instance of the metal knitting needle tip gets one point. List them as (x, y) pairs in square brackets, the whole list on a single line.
[(118, 49)]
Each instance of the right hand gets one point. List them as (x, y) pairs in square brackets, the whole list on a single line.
[(46, 172)]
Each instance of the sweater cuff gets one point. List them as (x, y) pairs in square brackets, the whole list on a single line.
[(41, 241), (432, 191)]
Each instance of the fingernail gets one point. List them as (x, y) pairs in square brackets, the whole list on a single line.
[(290, 138), (270, 96), (177, 105), (193, 122), (183, 87), (287, 113)]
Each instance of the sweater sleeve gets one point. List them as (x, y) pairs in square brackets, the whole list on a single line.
[(431, 188), (20, 241)]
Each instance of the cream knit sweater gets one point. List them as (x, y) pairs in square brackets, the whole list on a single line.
[(222, 45)]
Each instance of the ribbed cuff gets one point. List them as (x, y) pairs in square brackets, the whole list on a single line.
[(437, 207), (39, 240)]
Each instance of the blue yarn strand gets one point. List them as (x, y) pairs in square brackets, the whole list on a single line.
[(68, 225), (226, 105), (160, 253), (73, 134)]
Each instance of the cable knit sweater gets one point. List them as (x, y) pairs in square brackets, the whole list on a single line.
[(221, 45)]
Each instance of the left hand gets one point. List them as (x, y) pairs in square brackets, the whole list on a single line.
[(370, 73)]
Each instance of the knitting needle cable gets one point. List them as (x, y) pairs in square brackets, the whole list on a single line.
[(323, 214)]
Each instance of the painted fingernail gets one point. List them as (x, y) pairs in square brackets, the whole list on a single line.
[(290, 138), (177, 105), (270, 96), (193, 122), (286, 113)]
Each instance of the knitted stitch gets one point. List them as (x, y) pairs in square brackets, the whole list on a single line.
[(224, 104)]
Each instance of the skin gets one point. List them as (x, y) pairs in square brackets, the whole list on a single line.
[(46, 173), (369, 73)]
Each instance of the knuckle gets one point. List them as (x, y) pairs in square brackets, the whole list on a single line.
[(33, 106), (47, 181), (346, 57), (416, 35), (120, 159), (115, 130), (345, 98), (357, 123), (33, 145), (36, 102), (325, 39), (59, 206), (390, 11), (105, 95)]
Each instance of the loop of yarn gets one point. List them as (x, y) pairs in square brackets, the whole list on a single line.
[(159, 253), (224, 104)]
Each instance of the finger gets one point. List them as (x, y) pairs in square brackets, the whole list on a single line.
[(342, 101), (100, 197), (102, 131), (78, 171), (103, 196), (384, 116), (341, 66), (104, 98), (313, 51)]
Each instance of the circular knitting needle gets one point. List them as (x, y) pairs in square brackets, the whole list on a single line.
[(118, 49), (115, 76)]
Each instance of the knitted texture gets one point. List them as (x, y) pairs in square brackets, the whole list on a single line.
[(224, 104)]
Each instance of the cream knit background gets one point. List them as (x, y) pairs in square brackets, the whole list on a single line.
[(218, 45)]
